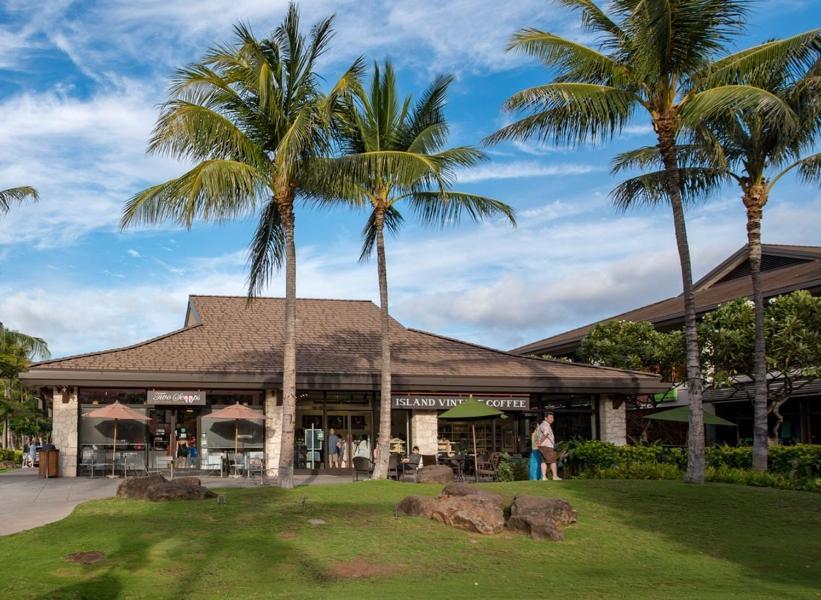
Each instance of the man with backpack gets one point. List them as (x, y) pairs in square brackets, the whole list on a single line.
[(547, 447)]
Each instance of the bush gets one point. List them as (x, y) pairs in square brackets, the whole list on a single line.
[(9, 455), (512, 468), (767, 479), (635, 471), (790, 467)]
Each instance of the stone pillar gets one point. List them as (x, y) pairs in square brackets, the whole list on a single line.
[(65, 429), (424, 431), (273, 431), (613, 420)]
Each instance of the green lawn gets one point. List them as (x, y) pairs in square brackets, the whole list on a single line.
[(653, 539)]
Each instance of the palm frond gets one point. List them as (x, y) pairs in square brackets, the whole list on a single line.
[(213, 190), (650, 189), (576, 62), (31, 347), (594, 19), (567, 113), (687, 155), (446, 208), (723, 101), (792, 55), (392, 222), (16, 196), (267, 250)]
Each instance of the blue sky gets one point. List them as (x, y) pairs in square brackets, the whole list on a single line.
[(79, 87)]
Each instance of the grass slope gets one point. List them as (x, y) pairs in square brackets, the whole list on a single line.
[(652, 539)]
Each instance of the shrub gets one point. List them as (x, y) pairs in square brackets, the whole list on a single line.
[(635, 471), (512, 468), (766, 479), (9, 455)]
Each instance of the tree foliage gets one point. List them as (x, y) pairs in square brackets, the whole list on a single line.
[(635, 345), (793, 338)]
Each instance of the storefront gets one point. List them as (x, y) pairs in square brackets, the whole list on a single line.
[(229, 352)]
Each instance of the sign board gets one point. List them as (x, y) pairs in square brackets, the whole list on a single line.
[(519, 403), (176, 398)]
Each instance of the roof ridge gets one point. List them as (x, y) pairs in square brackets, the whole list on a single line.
[(236, 297), (112, 350), (534, 358)]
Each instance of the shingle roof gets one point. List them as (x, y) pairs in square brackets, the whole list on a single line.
[(335, 337), (670, 312)]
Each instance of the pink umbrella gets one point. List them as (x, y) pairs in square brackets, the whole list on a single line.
[(237, 412), (116, 412)]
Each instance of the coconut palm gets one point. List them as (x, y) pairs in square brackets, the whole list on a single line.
[(253, 118), (755, 152), (16, 195), (393, 154), (653, 57)]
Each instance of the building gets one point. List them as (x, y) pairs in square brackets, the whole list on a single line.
[(785, 268), (230, 351)]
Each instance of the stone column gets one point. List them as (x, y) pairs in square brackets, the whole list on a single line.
[(65, 429), (424, 431), (273, 431), (612, 420)]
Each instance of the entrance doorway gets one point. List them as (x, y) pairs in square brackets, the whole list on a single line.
[(174, 438), (354, 428)]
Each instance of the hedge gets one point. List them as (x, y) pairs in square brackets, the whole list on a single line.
[(802, 460)]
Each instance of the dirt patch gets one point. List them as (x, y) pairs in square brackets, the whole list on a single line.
[(360, 568), (287, 535), (86, 558)]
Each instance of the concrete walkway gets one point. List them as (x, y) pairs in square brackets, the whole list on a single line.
[(26, 501)]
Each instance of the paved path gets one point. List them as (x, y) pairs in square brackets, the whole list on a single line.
[(26, 501)]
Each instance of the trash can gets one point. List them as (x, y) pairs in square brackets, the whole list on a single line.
[(49, 464)]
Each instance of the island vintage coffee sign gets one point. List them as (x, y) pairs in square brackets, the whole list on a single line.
[(176, 397), (520, 403)]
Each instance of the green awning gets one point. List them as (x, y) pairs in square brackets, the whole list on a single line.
[(681, 414), (471, 410)]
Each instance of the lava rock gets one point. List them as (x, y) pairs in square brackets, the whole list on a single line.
[(540, 517), (136, 487), (434, 474)]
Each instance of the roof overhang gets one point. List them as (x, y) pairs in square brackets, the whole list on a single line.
[(626, 383)]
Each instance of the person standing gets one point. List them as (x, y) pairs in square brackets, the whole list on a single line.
[(547, 447), (535, 455), (333, 449)]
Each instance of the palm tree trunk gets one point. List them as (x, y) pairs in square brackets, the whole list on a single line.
[(754, 200), (665, 127), (285, 475), (383, 444)]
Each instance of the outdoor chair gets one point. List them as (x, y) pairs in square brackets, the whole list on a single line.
[(134, 462), (256, 464), (238, 463), (485, 469), (393, 466), (361, 466), (213, 462), (87, 460)]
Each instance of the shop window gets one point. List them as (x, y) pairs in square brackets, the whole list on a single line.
[(227, 397), (110, 395)]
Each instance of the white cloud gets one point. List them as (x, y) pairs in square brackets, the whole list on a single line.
[(86, 157), (522, 169), (133, 253)]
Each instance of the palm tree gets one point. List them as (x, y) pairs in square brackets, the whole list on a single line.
[(253, 117), (17, 350), (18, 195), (393, 153), (653, 57), (754, 152)]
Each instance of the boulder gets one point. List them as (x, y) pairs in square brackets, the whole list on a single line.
[(188, 480), (416, 506), (540, 517), (472, 513), (434, 474), (463, 489), (176, 490), (136, 487)]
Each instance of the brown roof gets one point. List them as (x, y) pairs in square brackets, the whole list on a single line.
[(338, 341), (716, 287)]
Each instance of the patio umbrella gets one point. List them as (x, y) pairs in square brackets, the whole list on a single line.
[(681, 414), (472, 410), (116, 412), (238, 412)]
